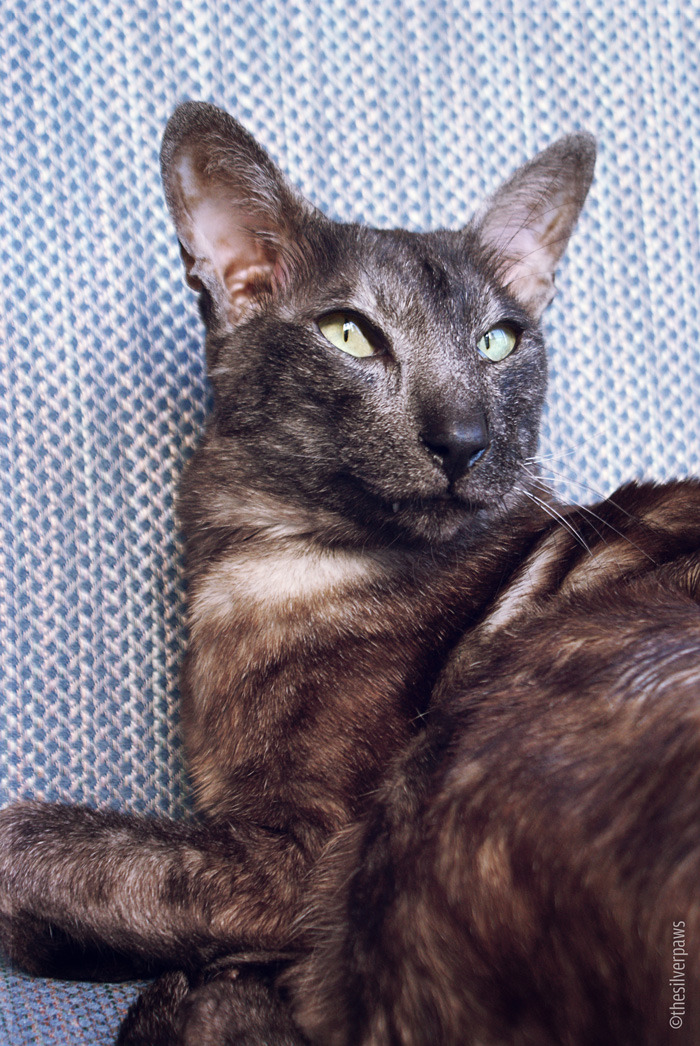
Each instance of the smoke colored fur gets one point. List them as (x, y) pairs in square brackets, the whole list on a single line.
[(443, 732)]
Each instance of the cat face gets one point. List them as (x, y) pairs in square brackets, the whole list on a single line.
[(424, 434), (391, 381)]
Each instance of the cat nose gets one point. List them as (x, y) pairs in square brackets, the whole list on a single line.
[(458, 443)]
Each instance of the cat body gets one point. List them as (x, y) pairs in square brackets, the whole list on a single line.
[(374, 574), (522, 873)]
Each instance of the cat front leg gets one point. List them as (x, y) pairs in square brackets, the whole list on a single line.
[(99, 894)]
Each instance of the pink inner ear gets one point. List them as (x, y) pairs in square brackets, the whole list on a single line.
[(238, 259), (225, 254), (526, 224), (529, 261)]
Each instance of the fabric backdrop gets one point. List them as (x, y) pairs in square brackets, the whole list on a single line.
[(396, 113)]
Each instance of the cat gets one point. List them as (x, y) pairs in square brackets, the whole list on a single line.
[(442, 731)]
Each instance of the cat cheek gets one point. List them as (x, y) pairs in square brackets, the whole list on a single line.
[(527, 438)]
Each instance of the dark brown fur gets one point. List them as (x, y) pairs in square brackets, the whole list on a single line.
[(433, 734), (519, 877)]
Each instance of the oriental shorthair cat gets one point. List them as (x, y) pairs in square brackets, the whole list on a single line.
[(443, 731)]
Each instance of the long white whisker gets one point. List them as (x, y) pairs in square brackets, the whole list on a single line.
[(605, 522), (557, 516), (582, 441), (586, 486), (580, 509), (625, 537)]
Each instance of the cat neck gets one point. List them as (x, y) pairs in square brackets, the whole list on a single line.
[(317, 637)]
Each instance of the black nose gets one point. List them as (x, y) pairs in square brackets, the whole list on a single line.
[(459, 444)]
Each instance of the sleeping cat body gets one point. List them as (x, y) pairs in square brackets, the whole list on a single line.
[(426, 773)]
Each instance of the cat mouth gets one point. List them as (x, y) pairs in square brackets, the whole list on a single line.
[(436, 520), (439, 506), (449, 498), (423, 516)]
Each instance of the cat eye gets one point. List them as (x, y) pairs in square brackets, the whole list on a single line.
[(348, 332), (496, 344)]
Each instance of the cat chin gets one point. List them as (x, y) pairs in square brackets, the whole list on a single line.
[(440, 521), (455, 520)]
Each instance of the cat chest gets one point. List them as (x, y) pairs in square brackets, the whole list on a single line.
[(289, 620), (314, 657), (249, 614), (277, 587)]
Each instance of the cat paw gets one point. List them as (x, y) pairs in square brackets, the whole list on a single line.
[(220, 1005), (154, 1018)]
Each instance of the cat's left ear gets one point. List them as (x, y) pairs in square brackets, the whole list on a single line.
[(525, 226), (239, 222)]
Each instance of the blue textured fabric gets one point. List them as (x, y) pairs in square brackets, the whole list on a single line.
[(59, 1013), (398, 113)]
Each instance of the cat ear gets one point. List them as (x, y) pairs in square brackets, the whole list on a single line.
[(525, 226), (236, 217)]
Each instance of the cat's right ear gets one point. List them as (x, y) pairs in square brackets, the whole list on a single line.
[(237, 219)]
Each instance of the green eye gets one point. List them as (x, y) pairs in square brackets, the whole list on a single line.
[(496, 344), (346, 332)]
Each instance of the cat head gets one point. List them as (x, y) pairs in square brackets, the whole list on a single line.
[(389, 382)]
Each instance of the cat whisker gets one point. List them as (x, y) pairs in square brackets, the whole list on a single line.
[(585, 486), (594, 515), (557, 516), (575, 508), (625, 537), (555, 455)]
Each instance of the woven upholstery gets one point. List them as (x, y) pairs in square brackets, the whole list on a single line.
[(395, 113)]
